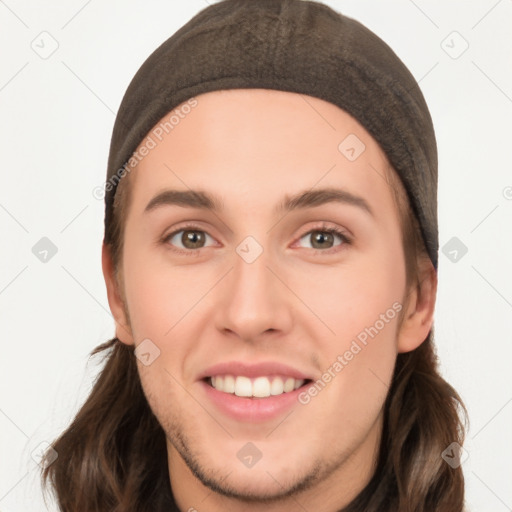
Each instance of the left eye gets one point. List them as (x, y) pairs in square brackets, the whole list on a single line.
[(324, 238), (189, 238)]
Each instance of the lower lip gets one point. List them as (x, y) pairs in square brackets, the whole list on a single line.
[(252, 409)]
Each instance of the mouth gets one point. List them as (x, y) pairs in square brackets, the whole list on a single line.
[(256, 387), (253, 392)]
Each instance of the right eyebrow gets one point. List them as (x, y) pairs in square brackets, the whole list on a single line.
[(186, 198)]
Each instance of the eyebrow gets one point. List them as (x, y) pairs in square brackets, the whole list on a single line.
[(305, 199), (185, 198)]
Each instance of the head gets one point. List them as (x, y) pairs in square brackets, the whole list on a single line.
[(300, 302), (282, 249)]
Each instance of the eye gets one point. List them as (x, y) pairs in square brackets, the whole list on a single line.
[(187, 239), (324, 238)]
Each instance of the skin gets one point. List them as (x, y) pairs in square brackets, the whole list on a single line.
[(297, 303)]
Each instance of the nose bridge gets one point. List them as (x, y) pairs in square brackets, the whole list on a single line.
[(254, 300)]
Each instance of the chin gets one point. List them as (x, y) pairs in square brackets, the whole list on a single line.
[(256, 485)]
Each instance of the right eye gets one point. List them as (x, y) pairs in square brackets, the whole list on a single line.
[(188, 239)]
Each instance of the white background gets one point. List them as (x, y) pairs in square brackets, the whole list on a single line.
[(57, 116)]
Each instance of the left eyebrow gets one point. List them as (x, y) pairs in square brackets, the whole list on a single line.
[(318, 197), (301, 200)]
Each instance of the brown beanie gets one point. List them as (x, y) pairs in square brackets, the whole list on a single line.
[(290, 45)]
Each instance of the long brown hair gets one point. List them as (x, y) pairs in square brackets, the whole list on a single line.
[(113, 456)]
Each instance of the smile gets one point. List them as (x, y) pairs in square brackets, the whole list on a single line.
[(259, 387), (253, 392)]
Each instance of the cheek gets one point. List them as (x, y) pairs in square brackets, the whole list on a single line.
[(150, 304), (360, 303), (158, 296), (366, 291), (358, 366)]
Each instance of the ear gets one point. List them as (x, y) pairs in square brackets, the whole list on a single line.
[(419, 315), (115, 301)]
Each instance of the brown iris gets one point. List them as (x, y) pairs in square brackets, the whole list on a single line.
[(192, 239), (320, 238)]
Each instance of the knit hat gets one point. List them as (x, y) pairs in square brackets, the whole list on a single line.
[(289, 45)]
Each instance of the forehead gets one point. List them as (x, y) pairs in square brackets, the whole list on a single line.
[(262, 143)]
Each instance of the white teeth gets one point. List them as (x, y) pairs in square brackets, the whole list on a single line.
[(229, 384), (288, 385), (260, 387), (277, 387), (243, 386)]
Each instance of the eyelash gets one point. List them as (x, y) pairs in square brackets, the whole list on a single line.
[(322, 229)]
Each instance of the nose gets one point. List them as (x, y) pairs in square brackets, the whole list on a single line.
[(252, 300)]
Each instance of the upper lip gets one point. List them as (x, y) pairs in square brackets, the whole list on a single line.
[(263, 369)]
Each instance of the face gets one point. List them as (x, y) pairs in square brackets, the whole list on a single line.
[(268, 302)]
